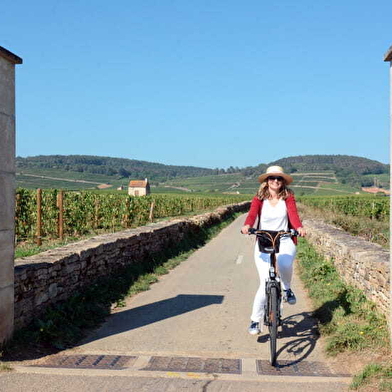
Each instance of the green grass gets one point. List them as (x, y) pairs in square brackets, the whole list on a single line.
[(46, 183), (307, 183), (168, 189), (322, 179), (378, 377), (216, 183), (383, 179), (5, 367), (64, 324), (340, 187), (336, 192), (347, 319), (27, 249), (325, 182), (25, 181), (101, 178), (302, 191)]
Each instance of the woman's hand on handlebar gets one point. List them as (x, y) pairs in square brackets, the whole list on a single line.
[(245, 229)]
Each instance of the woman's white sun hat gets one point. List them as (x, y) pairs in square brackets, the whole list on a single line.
[(276, 171)]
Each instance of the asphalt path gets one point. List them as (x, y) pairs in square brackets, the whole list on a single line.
[(199, 311)]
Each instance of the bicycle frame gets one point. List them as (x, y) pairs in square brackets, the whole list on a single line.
[(273, 281), (272, 307)]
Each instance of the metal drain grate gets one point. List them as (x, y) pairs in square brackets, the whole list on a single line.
[(192, 364), (290, 368), (89, 361)]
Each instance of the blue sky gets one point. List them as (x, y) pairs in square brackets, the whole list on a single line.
[(202, 83)]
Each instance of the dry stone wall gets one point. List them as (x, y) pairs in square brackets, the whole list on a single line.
[(54, 275), (360, 263)]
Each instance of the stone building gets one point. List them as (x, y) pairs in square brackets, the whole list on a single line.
[(7, 190), (139, 188)]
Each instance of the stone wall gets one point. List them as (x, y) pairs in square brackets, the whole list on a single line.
[(54, 275), (7, 190), (360, 263)]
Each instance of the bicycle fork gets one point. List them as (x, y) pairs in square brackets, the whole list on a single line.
[(273, 281)]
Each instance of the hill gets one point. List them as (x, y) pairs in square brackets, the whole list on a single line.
[(103, 169), (335, 163), (312, 174), (352, 170), (320, 183)]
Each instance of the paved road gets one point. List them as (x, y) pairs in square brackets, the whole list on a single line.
[(189, 332)]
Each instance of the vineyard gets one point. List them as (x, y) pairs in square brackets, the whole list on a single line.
[(52, 214), (361, 215), (373, 207)]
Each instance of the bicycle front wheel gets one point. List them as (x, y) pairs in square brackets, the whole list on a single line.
[(273, 315)]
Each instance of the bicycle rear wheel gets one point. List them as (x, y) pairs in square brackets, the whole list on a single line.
[(273, 315)]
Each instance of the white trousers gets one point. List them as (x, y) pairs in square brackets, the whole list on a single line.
[(285, 259)]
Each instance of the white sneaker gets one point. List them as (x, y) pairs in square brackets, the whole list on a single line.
[(255, 328), (289, 297)]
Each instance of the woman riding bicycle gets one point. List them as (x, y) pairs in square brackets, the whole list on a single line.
[(275, 207)]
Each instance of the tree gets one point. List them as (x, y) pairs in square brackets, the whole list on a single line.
[(122, 172)]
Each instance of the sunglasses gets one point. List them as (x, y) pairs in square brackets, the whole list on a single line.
[(277, 178)]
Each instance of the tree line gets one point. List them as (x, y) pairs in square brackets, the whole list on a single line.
[(117, 167)]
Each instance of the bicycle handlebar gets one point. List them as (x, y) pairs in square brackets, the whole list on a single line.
[(291, 233)]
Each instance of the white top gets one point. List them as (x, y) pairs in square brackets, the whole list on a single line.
[(274, 217)]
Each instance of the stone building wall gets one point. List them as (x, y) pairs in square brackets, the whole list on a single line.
[(55, 275), (7, 190), (360, 263)]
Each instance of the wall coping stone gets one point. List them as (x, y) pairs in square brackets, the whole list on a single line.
[(11, 57)]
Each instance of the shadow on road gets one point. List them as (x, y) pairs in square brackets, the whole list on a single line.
[(152, 313), (303, 328), (120, 322)]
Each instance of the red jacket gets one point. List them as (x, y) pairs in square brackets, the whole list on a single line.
[(292, 213)]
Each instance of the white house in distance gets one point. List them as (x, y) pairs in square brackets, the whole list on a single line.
[(138, 188)]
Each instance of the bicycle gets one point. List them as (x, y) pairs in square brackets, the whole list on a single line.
[(269, 242)]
